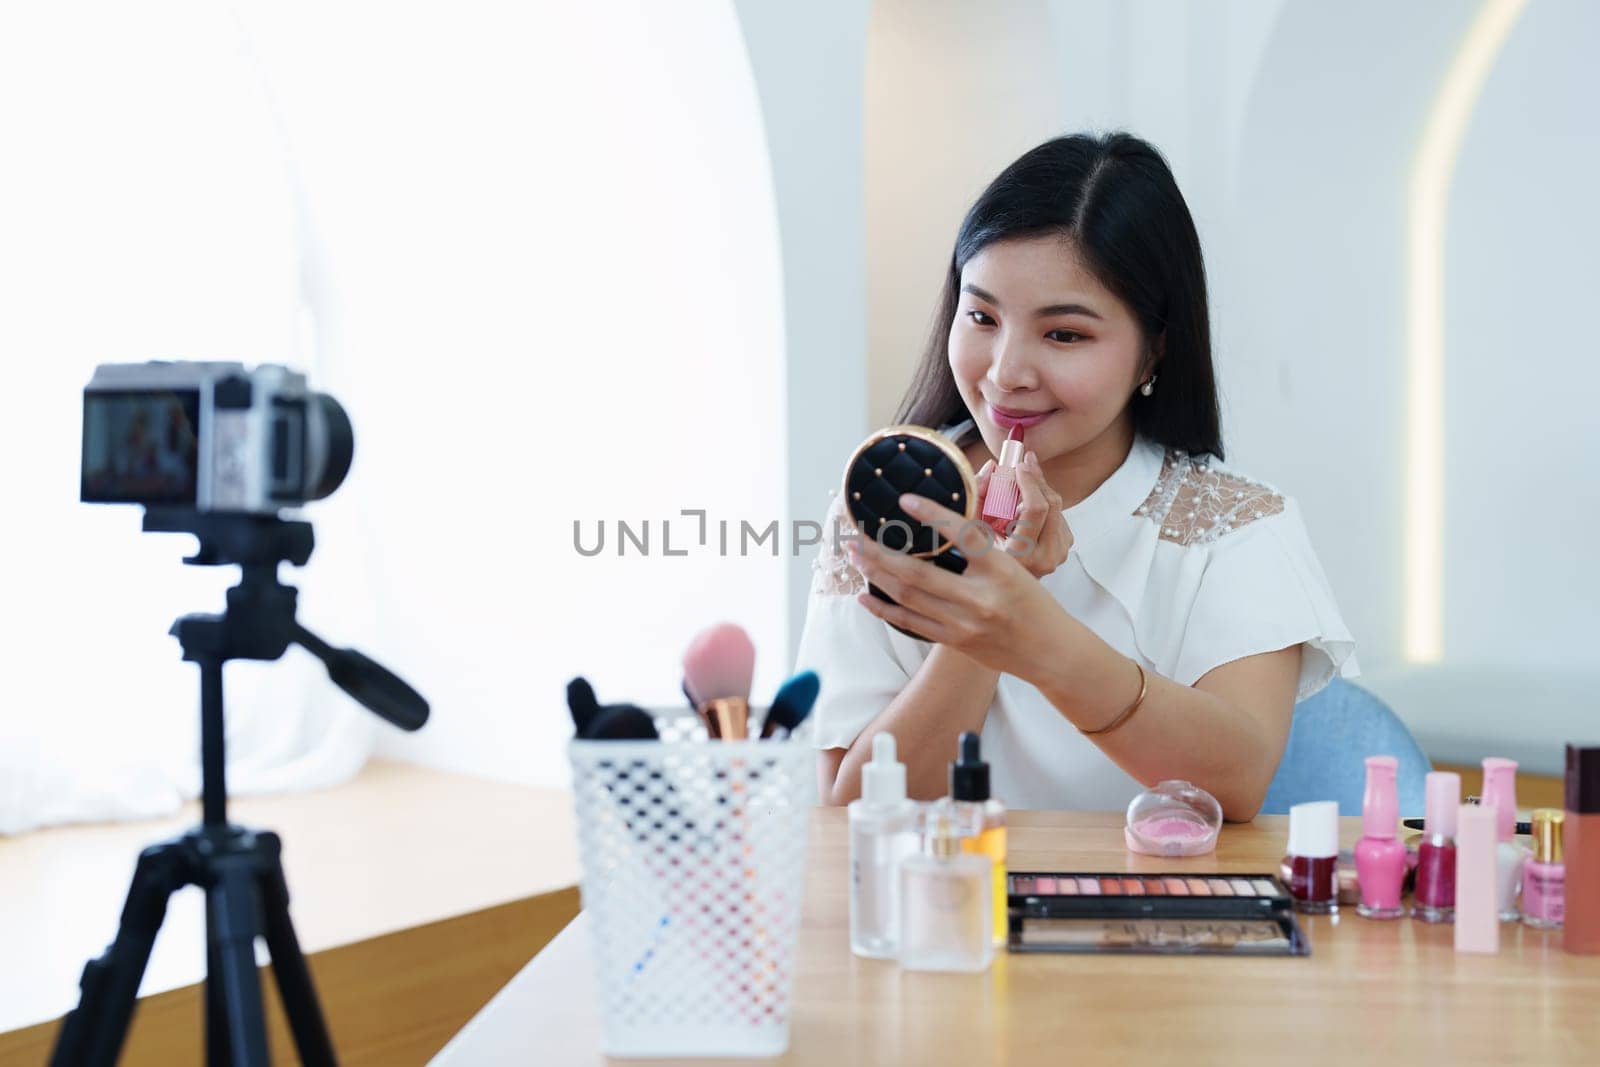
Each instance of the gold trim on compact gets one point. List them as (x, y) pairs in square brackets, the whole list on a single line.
[(969, 480)]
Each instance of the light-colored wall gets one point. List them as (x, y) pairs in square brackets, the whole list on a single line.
[(807, 63), (942, 117), (1292, 129)]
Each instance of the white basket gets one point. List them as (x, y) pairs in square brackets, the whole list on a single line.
[(694, 858)]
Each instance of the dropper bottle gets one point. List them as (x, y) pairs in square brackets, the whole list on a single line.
[(983, 819), (883, 831)]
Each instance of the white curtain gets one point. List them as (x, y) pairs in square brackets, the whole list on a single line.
[(151, 210), (532, 250)]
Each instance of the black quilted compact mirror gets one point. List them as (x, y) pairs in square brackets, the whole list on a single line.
[(909, 459)]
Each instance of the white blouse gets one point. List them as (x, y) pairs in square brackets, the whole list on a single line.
[(1176, 561)]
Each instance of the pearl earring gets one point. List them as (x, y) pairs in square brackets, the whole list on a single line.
[(1148, 388)]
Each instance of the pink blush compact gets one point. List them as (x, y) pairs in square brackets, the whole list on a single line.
[(1173, 818)]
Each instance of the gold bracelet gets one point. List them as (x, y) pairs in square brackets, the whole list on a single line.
[(1144, 685)]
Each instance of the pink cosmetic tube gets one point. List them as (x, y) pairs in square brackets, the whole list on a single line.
[(1477, 919)]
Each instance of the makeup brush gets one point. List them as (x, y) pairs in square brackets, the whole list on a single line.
[(1000, 502), (716, 676), (593, 721), (622, 722), (583, 705), (791, 706)]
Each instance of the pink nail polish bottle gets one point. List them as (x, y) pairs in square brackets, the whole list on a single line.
[(1380, 857), (1436, 856), (1500, 793), (1544, 877)]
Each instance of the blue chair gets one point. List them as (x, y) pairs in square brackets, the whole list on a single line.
[(1332, 733)]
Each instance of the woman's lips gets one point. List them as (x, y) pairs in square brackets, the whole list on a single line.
[(1007, 419)]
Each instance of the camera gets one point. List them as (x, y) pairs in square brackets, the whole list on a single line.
[(210, 437)]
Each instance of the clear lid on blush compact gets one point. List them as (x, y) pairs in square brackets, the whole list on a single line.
[(1173, 818)]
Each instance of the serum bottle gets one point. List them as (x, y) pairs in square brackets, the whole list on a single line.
[(883, 825), (982, 819)]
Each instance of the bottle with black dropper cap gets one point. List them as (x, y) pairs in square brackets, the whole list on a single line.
[(982, 819)]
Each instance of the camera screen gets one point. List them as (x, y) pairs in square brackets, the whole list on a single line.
[(140, 447)]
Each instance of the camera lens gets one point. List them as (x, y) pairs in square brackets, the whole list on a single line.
[(339, 445)]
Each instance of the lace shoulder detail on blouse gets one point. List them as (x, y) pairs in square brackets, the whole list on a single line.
[(1195, 505), (831, 571)]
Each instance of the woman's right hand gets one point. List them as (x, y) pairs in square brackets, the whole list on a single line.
[(1039, 536)]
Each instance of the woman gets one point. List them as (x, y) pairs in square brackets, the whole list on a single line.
[(1154, 614)]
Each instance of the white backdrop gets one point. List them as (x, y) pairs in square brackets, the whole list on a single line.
[(534, 252)]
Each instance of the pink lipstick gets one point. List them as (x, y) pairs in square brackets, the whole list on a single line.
[(1000, 502)]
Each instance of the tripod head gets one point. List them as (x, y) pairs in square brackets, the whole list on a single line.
[(259, 622)]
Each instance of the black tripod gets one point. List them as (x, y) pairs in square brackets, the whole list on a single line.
[(239, 869)]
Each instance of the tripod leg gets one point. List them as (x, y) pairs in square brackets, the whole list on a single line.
[(219, 1052), (289, 963), (233, 913), (93, 1032)]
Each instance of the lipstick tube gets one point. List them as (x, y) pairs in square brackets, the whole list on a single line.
[(1002, 498)]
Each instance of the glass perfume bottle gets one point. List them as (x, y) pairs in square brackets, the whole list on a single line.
[(946, 913)]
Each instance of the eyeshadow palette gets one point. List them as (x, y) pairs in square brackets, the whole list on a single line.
[(1227, 914)]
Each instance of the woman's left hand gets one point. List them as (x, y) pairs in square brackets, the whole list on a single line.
[(996, 611)]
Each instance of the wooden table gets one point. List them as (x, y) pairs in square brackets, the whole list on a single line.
[(1390, 991), (410, 887)]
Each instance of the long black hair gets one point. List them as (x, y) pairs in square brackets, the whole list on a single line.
[(1115, 198)]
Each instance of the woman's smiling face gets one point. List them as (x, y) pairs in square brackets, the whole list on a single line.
[(1038, 340)]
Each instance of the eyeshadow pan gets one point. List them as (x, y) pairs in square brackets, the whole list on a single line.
[(1220, 887), (1133, 887), (1176, 886), (1045, 884), (1242, 888), (1111, 887), (1021, 883), (1089, 887), (1265, 888), (1198, 887)]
